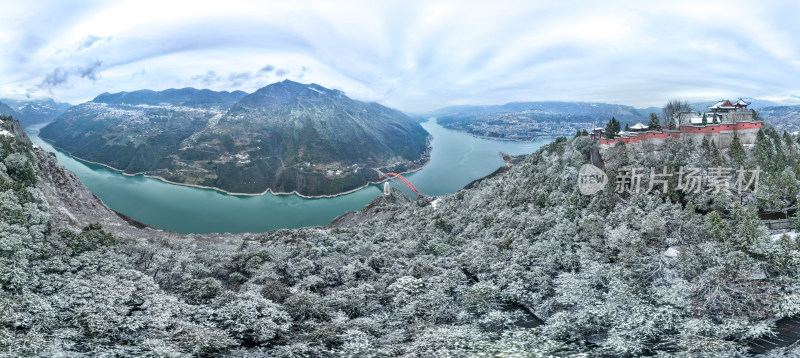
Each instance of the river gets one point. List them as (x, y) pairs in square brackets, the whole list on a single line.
[(456, 159)]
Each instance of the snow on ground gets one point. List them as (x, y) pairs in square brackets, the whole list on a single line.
[(672, 252), (792, 235), (435, 202)]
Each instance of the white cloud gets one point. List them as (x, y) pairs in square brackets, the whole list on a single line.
[(411, 55)]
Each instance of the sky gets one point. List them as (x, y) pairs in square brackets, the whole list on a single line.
[(411, 55)]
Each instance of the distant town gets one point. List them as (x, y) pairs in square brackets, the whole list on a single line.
[(523, 126), (551, 121)]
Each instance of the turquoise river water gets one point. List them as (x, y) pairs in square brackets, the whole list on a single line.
[(457, 159)]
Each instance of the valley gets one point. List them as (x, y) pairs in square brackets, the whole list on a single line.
[(284, 138), (456, 159), (416, 179), (528, 120), (520, 260)]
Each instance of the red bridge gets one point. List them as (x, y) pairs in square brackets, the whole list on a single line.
[(405, 181)]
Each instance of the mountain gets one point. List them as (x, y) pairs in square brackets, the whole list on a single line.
[(184, 97), (582, 111), (461, 275), (529, 120), (6, 110), (30, 112), (135, 131), (285, 137), (648, 110), (298, 137), (782, 117)]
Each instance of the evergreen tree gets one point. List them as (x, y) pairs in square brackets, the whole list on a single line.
[(577, 134), (627, 127), (705, 119), (705, 148), (779, 158), (612, 128), (787, 139), (653, 121), (716, 119), (736, 151), (716, 157), (796, 220), (764, 150), (585, 133), (609, 131), (716, 227)]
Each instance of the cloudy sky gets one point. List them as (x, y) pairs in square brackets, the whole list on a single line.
[(414, 56)]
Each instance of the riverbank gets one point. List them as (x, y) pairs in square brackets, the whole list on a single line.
[(455, 160), (269, 190), (497, 138)]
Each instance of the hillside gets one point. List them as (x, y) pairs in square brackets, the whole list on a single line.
[(306, 138), (782, 117), (135, 132), (285, 137), (584, 110), (528, 120), (5, 110), (609, 275), (184, 97), (30, 112)]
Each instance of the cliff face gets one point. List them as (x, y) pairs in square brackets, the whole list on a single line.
[(13, 127), (71, 204)]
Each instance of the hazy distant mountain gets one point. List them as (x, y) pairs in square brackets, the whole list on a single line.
[(184, 97), (6, 110), (782, 117), (529, 120), (29, 112), (286, 137), (648, 110), (569, 111)]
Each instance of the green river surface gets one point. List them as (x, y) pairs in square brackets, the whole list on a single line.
[(457, 159)]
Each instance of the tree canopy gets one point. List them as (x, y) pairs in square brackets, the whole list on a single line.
[(647, 273)]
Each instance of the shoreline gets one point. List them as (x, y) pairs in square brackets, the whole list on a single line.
[(506, 139), (269, 190)]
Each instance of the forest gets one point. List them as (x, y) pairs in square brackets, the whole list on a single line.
[(609, 275)]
